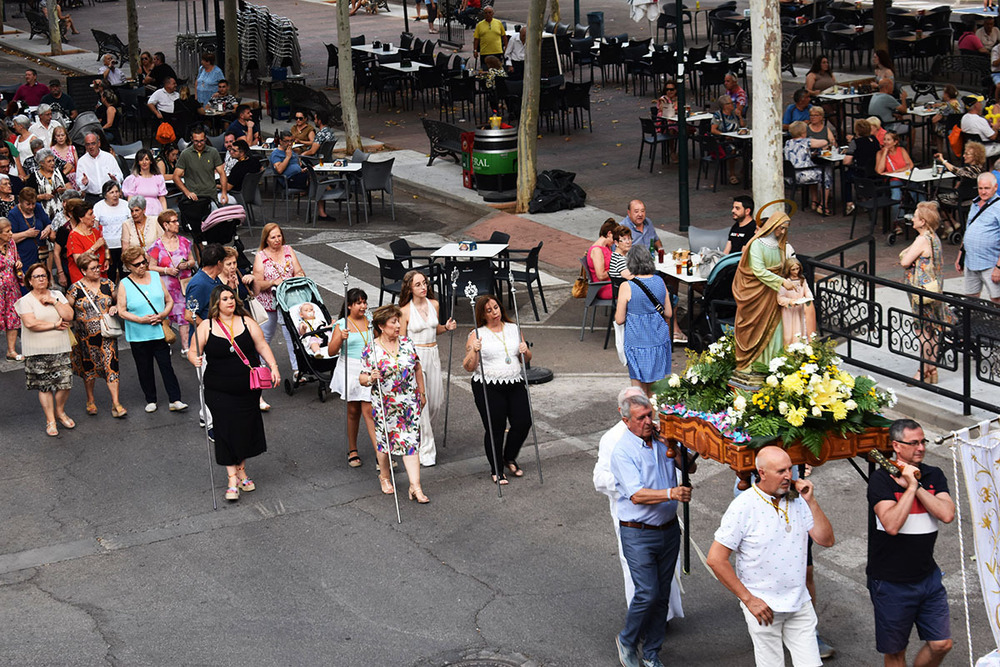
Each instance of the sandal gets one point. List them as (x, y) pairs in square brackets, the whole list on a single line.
[(15, 357), (65, 420), (50, 429), (814, 205), (353, 459), (515, 469), (386, 485), (850, 208), (92, 409), (264, 405), (118, 411), (503, 480)]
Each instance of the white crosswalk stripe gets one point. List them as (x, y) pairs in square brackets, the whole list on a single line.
[(332, 279)]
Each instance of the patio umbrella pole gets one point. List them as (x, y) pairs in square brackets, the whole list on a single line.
[(524, 370), (385, 425), (471, 292), (451, 347)]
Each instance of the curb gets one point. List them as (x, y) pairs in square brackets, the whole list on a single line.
[(442, 197), (48, 61)]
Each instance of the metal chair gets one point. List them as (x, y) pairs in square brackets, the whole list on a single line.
[(529, 275), (592, 300), (332, 60), (390, 275), (577, 98), (249, 195), (336, 189), (652, 137), (377, 177), (282, 187)]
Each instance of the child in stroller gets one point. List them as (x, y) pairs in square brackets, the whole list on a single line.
[(310, 329)]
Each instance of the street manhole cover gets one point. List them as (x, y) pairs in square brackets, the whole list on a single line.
[(478, 657), (489, 662)]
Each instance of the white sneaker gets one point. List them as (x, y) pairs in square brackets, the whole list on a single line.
[(177, 406), (150, 407)]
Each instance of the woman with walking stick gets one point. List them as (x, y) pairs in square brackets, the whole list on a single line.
[(390, 363), (352, 329), (500, 385), (419, 323), (228, 339)]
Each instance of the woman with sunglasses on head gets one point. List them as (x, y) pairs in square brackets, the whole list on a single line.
[(144, 304), (302, 131), (172, 256), (94, 356), (231, 342), (45, 319)]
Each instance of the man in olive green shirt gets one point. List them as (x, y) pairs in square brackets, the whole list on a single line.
[(194, 174), (489, 39)]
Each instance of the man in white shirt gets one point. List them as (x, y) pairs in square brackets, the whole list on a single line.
[(95, 168), (44, 126), (514, 55), (989, 34), (770, 544), (162, 100), (974, 123)]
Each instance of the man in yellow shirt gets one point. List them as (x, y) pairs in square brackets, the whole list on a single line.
[(489, 39)]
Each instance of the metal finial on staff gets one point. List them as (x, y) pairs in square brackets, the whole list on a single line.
[(451, 347), (343, 358), (471, 292), (524, 371), (381, 408)]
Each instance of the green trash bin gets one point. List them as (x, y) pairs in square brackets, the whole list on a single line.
[(494, 159)]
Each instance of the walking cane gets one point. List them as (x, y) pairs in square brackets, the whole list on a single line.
[(204, 408), (385, 425), (471, 292), (451, 346), (527, 387), (343, 357)]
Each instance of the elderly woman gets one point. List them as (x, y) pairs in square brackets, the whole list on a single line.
[(28, 158), (818, 128), (924, 268), (10, 288), (727, 119), (85, 237), (644, 309), (25, 218), (49, 183), (112, 214), (228, 339), (20, 125), (94, 356), (7, 199), (146, 181), (950, 105), (140, 229), (65, 153), (391, 364), (45, 342), (599, 257), (493, 352), (144, 304), (974, 157), (172, 256), (275, 263), (623, 243), (798, 153)]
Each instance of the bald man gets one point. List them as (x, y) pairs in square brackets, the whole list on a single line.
[(643, 232), (769, 532)]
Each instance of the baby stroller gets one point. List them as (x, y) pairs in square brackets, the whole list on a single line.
[(290, 295), (717, 307)]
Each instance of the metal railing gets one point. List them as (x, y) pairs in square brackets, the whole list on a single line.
[(950, 332)]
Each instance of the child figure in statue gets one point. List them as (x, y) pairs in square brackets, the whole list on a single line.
[(798, 314)]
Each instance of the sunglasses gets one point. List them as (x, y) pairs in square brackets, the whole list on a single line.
[(39, 275), (300, 118), (142, 262)]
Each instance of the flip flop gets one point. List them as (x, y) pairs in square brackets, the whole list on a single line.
[(15, 357), (353, 460)]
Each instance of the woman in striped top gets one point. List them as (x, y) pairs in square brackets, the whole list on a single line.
[(623, 242)]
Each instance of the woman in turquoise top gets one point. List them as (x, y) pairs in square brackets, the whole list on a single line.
[(352, 327), (209, 76), (144, 304)]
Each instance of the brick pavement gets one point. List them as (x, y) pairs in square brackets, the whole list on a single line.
[(561, 249)]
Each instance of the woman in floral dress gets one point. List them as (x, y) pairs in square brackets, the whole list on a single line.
[(66, 156), (275, 263), (172, 257), (391, 361), (10, 288)]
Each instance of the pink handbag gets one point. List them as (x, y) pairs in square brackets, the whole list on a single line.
[(260, 376)]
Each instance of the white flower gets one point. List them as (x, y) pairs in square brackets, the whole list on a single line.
[(817, 412), (810, 368), (808, 350), (740, 403), (674, 380), (772, 381), (776, 363), (715, 348), (782, 408), (892, 397), (693, 379), (850, 404), (795, 347)]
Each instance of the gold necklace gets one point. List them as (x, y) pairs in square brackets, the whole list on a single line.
[(503, 340), (776, 507)]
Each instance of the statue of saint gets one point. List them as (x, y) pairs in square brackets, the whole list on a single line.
[(755, 289)]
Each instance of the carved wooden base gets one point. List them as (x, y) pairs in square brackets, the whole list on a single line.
[(705, 439)]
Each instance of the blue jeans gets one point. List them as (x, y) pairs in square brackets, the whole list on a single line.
[(651, 556)]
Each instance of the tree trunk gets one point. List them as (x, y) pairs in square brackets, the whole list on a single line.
[(232, 65), (527, 131), (2, 10), (766, 86), (55, 35), (132, 18), (880, 19), (345, 74), (554, 10)]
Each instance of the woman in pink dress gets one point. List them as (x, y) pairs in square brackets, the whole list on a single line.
[(10, 288), (599, 257), (798, 316), (146, 180), (172, 258), (65, 151), (275, 263)]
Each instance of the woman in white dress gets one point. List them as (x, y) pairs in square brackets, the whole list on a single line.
[(419, 323), (351, 332)]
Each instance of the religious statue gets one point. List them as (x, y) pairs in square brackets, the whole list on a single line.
[(798, 316), (759, 335)]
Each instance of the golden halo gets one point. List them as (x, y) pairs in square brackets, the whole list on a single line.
[(788, 202)]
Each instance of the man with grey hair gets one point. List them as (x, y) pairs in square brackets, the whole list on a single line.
[(44, 126), (95, 168), (30, 162), (770, 544), (979, 258), (647, 497)]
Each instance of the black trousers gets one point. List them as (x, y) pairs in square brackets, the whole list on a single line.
[(508, 405), (144, 352), (115, 272)]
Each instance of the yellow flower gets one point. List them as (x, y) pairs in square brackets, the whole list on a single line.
[(826, 391), (846, 378), (796, 417), (839, 411), (793, 384)]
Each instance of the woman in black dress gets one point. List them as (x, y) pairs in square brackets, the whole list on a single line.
[(238, 426)]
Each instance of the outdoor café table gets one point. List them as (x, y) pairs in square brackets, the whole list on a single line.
[(346, 168), (922, 118), (840, 96), (744, 142), (667, 269), (451, 252), (380, 51), (835, 158), (921, 176)]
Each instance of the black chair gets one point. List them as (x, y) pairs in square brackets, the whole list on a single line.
[(725, 8), (377, 177), (552, 104), (583, 54), (457, 92), (725, 27), (788, 58), (332, 60), (610, 56), (404, 252), (577, 97), (652, 137), (872, 197), (358, 40), (406, 41), (390, 276), (501, 263), (711, 77), (713, 153), (593, 300), (792, 181), (529, 275), (479, 272)]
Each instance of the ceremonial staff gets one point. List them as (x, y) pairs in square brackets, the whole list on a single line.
[(381, 409), (343, 358), (192, 305), (471, 292), (451, 346), (524, 371)]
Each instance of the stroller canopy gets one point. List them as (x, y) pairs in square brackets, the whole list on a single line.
[(297, 290)]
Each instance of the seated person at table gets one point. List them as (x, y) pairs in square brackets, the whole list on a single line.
[(744, 225), (882, 63), (243, 127), (623, 243), (727, 119), (859, 159), (877, 130), (286, 162), (736, 94), (974, 157), (308, 319), (820, 76), (798, 152), (974, 123), (302, 131), (969, 43), (245, 164), (324, 133), (798, 109), (599, 257), (818, 128), (160, 72), (949, 105), (893, 158), (989, 34), (888, 108), (163, 99), (493, 70), (224, 97), (666, 104)]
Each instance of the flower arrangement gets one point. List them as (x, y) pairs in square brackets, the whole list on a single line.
[(805, 396)]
